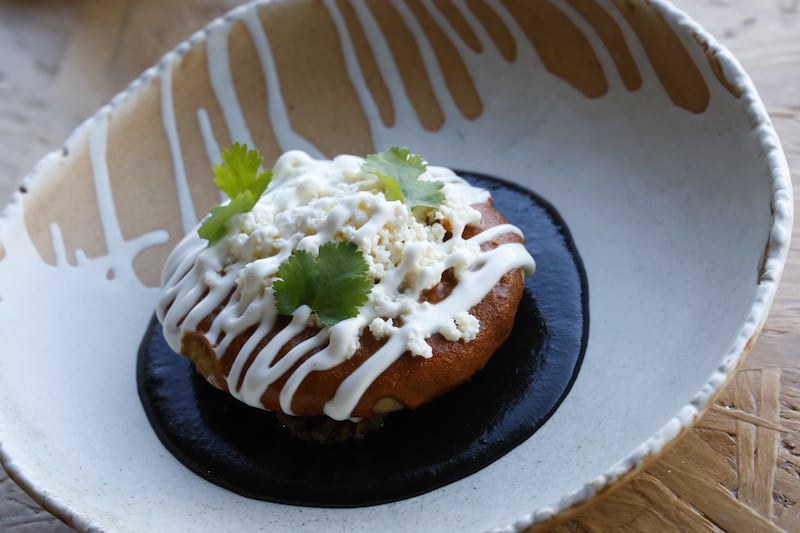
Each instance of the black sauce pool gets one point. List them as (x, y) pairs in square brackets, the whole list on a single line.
[(245, 449)]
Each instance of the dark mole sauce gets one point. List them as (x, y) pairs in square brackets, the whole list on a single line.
[(247, 451)]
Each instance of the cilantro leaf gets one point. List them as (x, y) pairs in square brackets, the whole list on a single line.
[(398, 171), (241, 178), (240, 171), (333, 285), (296, 284), (213, 229)]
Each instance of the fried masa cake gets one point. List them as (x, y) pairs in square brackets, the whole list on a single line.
[(443, 273)]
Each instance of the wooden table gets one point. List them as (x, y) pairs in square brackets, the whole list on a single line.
[(738, 470)]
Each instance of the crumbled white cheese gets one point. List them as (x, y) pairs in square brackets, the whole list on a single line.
[(468, 325), (418, 346), (381, 328), (310, 202), (463, 326)]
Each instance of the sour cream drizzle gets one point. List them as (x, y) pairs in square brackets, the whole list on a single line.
[(308, 203)]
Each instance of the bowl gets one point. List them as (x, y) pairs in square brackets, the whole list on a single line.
[(642, 131)]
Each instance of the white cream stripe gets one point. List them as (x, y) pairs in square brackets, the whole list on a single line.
[(310, 202), (286, 137), (185, 204)]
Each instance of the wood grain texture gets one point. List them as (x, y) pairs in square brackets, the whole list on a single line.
[(737, 470)]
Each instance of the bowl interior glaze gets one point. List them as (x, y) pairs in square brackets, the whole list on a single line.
[(642, 131)]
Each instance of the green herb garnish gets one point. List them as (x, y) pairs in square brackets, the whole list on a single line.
[(241, 178), (399, 172), (333, 285)]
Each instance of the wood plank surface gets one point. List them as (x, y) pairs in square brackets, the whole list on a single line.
[(737, 470)]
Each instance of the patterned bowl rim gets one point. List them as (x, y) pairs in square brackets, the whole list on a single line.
[(776, 252)]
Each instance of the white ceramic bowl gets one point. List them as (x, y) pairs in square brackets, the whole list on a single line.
[(642, 131)]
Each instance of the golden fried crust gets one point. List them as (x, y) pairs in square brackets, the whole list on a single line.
[(410, 381)]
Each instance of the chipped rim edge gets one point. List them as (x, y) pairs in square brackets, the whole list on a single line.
[(781, 203), (777, 250)]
